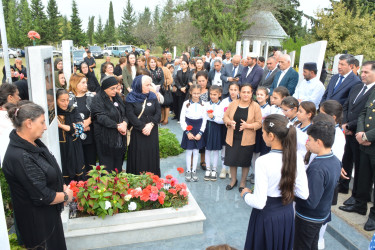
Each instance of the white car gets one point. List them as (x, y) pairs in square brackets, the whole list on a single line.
[(107, 51), (13, 53)]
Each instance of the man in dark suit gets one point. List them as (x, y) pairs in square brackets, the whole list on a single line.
[(214, 76), (340, 84), (231, 73), (269, 73), (366, 138), (352, 107), (253, 73), (206, 64), (286, 77)]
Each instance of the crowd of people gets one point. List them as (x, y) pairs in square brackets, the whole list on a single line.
[(299, 137)]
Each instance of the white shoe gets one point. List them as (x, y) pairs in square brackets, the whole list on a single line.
[(194, 177), (321, 244), (229, 175), (213, 175), (223, 174), (207, 175), (187, 176)]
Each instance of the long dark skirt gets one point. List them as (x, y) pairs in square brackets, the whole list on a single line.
[(272, 227), (237, 155), (193, 144), (213, 136), (111, 158)]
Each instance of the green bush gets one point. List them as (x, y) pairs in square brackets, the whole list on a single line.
[(6, 194), (168, 143)]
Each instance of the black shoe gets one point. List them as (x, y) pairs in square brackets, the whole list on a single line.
[(370, 225), (343, 190), (350, 201), (354, 209), (174, 118), (240, 189), (229, 187), (203, 166)]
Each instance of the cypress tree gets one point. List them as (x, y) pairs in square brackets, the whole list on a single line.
[(126, 26), (53, 32), (39, 19), (76, 33)]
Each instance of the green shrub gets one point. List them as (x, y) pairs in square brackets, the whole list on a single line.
[(6, 194), (168, 143)]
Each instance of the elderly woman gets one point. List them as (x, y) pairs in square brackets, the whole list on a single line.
[(81, 99), (110, 125), (108, 69), (35, 180), (143, 112), (242, 118), (129, 73), (92, 82)]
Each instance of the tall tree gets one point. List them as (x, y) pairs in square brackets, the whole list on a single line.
[(65, 28), (53, 32), (167, 25), (76, 33), (142, 30), (364, 6), (109, 30), (24, 22), (335, 27), (12, 24), (39, 19), (126, 26), (90, 30), (289, 17), (99, 34)]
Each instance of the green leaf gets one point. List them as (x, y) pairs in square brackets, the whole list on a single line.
[(102, 204), (110, 211)]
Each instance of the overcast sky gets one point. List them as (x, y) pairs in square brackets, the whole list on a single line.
[(98, 8)]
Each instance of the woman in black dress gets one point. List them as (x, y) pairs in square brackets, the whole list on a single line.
[(143, 154), (81, 99), (242, 118), (110, 125), (69, 123), (157, 74), (92, 82), (35, 180), (182, 84)]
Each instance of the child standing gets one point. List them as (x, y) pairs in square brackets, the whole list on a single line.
[(277, 97), (289, 107), (213, 135), (323, 175), (234, 90), (305, 114), (279, 177), (193, 122)]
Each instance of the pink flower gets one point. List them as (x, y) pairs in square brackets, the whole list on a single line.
[(154, 190), (184, 193), (225, 109), (153, 197), (162, 194)]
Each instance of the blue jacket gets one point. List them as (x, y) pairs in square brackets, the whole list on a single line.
[(253, 78), (227, 72), (342, 92), (289, 81)]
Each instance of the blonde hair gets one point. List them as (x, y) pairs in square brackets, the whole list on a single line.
[(74, 80)]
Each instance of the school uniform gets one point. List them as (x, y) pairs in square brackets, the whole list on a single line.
[(338, 146), (193, 114), (260, 145), (323, 175), (301, 139), (276, 110), (213, 134), (271, 223)]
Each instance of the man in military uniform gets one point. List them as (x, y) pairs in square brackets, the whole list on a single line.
[(366, 138)]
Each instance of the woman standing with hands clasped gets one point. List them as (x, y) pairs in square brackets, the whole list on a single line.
[(279, 176), (242, 118)]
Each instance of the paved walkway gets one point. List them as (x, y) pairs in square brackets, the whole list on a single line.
[(228, 215)]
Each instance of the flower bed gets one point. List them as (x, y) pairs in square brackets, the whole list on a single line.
[(111, 193)]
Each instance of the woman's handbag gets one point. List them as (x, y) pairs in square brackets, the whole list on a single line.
[(128, 134), (167, 93)]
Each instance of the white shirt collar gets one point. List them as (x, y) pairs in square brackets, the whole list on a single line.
[(284, 71), (369, 86), (345, 76)]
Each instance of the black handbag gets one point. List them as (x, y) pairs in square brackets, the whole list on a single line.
[(167, 94)]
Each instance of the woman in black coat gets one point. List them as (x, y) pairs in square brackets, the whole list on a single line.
[(182, 84), (143, 154), (92, 82), (35, 180), (110, 125)]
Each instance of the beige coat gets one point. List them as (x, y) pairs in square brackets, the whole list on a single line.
[(254, 118)]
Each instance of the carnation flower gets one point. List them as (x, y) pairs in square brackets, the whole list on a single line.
[(153, 197), (98, 167), (132, 206), (139, 189), (154, 190), (107, 205), (128, 197)]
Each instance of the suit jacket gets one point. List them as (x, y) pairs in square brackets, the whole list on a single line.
[(366, 123), (211, 76), (342, 93), (228, 72), (181, 81), (253, 78), (206, 65), (351, 110), (268, 82), (289, 81)]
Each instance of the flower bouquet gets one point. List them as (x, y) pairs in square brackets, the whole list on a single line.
[(111, 193)]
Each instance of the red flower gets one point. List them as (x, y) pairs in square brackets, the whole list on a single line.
[(169, 176), (225, 109), (32, 35), (22, 76), (172, 191), (210, 111), (161, 200), (154, 190), (189, 128), (98, 168), (180, 170), (116, 170)]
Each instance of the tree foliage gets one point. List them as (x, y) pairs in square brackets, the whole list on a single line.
[(109, 30), (53, 31), (90, 30), (143, 31), (65, 28), (289, 17), (39, 19), (354, 34), (76, 33), (12, 26), (99, 34), (24, 23), (126, 26), (167, 25)]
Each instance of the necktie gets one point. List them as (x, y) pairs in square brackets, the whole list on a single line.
[(234, 72), (338, 84), (269, 73), (360, 94)]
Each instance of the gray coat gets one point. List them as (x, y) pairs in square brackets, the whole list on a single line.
[(226, 72), (268, 82)]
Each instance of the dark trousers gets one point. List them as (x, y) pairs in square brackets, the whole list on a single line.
[(89, 153), (366, 178), (180, 102), (111, 158), (350, 157), (306, 234)]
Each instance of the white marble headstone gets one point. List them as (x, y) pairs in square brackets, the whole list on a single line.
[(67, 59), (313, 52), (265, 50), (246, 47), (238, 48), (3, 226), (257, 47), (292, 57), (335, 67)]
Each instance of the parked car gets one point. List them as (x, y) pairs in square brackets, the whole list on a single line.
[(108, 50), (96, 51), (140, 51), (13, 53), (56, 52), (119, 51), (78, 58)]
